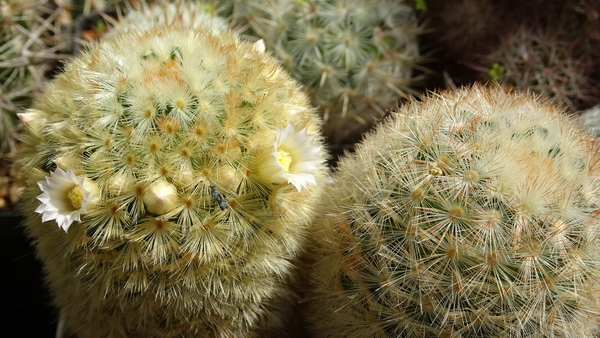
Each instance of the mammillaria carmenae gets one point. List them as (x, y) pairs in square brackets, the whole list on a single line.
[(183, 167), (469, 214)]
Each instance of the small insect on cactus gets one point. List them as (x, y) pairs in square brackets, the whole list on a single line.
[(354, 57), (470, 214), (171, 174)]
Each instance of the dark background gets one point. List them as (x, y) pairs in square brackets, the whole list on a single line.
[(24, 301)]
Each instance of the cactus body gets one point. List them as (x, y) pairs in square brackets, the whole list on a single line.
[(469, 214), (161, 154), (354, 57)]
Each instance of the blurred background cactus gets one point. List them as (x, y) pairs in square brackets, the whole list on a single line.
[(545, 46), (31, 44), (31, 37), (543, 63), (176, 171), (469, 214), (355, 58)]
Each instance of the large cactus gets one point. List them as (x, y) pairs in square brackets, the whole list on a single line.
[(470, 214), (176, 171)]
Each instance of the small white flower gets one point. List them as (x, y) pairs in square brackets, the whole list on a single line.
[(294, 157), (65, 197)]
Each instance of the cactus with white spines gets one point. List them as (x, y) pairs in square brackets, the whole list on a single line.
[(355, 58), (171, 174), (469, 214)]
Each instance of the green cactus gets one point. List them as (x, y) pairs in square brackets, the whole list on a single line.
[(469, 214), (354, 57), (184, 167), (29, 38)]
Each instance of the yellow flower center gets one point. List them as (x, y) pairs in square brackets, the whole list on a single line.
[(434, 169), (75, 195), (285, 159)]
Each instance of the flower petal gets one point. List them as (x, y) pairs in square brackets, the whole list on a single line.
[(59, 203)]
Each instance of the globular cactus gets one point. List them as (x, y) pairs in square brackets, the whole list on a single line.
[(354, 57), (170, 177), (469, 214)]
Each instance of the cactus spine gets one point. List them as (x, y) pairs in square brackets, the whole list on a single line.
[(469, 214), (183, 167)]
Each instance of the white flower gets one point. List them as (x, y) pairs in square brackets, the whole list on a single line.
[(65, 197), (294, 157)]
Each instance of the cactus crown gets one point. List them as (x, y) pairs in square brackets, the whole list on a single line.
[(471, 214)]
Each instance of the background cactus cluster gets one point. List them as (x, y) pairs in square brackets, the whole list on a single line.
[(184, 167), (355, 58), (470, 214)]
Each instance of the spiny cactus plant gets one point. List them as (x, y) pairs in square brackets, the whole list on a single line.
[(29, 38), (470, 214), (544, 63), (171, 175), (354, 57)]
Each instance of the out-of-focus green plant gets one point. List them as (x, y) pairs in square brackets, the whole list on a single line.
[(497, 72)]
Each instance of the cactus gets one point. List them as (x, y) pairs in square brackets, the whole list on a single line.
[(354, 57), (469, 214), (545, 63), (30, 37), (171, 177)]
